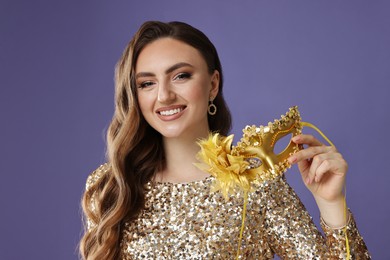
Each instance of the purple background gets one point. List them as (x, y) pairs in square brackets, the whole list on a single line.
[(331, 58)]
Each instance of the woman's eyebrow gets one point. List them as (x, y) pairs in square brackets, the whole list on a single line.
[(169, 70), (178, 66)]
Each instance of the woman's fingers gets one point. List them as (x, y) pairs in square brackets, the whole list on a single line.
[(322, 167), (310, 152), (316, 160), (318, 168), (310, 140), (324, 163)]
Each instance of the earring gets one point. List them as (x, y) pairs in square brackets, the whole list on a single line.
[(212, 109)]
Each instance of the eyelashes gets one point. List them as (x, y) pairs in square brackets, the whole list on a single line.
[(145, 84), (180, 77)]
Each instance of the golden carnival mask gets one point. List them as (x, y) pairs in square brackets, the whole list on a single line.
[(253, 158), (258, 143)]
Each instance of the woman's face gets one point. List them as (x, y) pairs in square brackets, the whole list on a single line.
[(174, 87)]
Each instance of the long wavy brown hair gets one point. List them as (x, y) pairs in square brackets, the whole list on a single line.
[(134, 149)]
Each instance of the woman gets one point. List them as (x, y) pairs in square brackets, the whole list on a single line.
[(150, 201)]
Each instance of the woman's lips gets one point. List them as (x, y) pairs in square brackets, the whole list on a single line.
[(170, 113)]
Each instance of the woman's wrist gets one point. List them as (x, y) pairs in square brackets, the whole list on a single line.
[(334, 213)]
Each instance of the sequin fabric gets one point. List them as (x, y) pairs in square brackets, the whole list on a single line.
[(187, 221)]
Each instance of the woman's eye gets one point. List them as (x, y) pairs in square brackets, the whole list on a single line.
[(145, 84), (182, 76)]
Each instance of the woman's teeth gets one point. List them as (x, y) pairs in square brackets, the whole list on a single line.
[(170, 112)]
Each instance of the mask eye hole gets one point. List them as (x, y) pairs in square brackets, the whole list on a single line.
[(254, 162), (282, 144)]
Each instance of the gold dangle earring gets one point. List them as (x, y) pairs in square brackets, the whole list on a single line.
[(212, 109)]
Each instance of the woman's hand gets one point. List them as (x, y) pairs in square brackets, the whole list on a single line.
[(322, 168)]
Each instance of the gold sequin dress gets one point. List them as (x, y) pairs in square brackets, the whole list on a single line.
[(187, 221)]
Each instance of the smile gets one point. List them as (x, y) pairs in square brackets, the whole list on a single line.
[(170, 112)]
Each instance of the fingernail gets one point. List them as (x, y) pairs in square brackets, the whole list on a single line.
[(307, 180), (292, 159), (296, 138)]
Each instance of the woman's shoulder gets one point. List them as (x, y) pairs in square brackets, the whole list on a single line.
[(97, 175), (276, 187)]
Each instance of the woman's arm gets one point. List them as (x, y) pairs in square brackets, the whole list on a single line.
[(323, 170), (292, 234)]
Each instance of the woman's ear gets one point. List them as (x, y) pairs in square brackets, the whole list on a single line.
[(214, 84)]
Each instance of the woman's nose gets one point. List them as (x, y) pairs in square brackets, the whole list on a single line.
[(165, 93)]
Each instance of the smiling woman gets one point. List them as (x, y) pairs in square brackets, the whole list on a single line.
[(150, 200)]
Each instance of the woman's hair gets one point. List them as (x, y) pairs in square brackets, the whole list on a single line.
[(134, 149)]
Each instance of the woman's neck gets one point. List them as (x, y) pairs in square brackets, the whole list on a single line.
[(180, 155)]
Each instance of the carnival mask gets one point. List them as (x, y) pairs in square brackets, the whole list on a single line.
[(258, 143), (253, 159)]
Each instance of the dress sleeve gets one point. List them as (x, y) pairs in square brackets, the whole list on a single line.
[(292, 234), (92, 180), (335, 240)]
